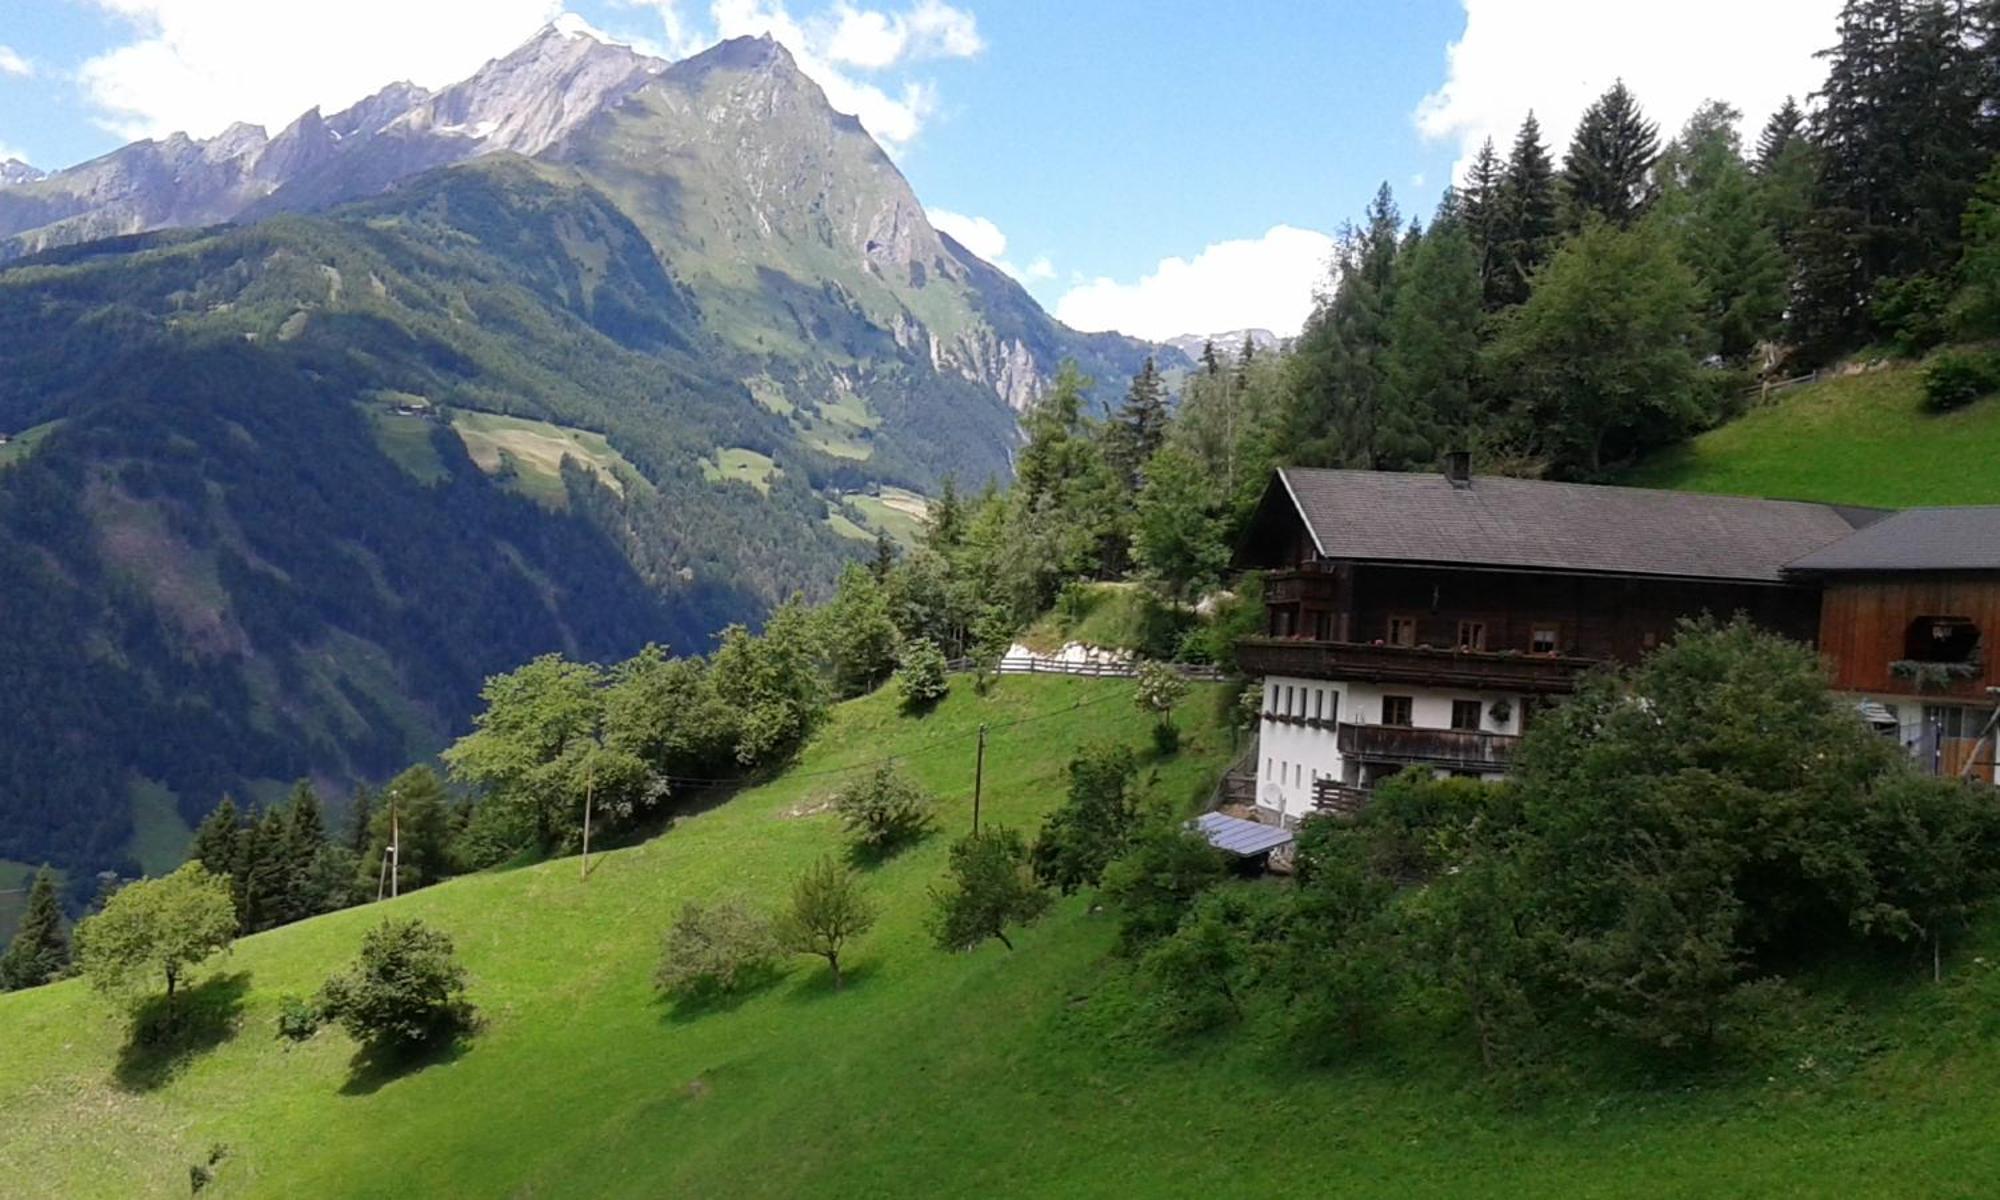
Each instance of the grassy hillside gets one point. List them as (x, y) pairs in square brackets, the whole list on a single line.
[(1857, 439), (989, 1073)]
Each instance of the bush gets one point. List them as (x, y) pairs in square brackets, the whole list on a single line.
[(715, 949), (1955, 378), (1166, 739), (1154, 884), (404, 990), (1912, 310), (1198, 971), (1094, 823), (920, 676), (298, 1018), (885, 811)]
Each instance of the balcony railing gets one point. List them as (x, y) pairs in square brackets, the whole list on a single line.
[(1452, 749), (1287, 587), (1485, 670)]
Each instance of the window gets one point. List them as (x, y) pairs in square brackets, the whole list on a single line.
[(1396, 710), (1270, 771), (1271, 701), (1319, 704), (1952, 722), (1941, 640), (1543, 640), (1283, 622), (1297, 771), (1472, 635), (1332, 706), (1287, 710), (1402, 631), (1323, 626), (1465, 714)]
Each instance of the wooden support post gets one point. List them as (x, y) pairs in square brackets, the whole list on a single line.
[(395, 849), (978, 777), (584, 869)]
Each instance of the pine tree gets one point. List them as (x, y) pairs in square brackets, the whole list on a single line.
[(944, 522), (265, 874), (304, 845), (1608, 171), (1211, 365), (1785, 127), (1482, 210), (1526, 223), (1712, 202), (39, 951), (1140, 424), (1433, 348), (1339, 380), (219, 846), (414, 806), (885, 556), (1245, 355), (360, 816), (1903, 135)]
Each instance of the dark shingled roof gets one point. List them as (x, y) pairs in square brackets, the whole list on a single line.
[(1532, 524), (1916, 539)]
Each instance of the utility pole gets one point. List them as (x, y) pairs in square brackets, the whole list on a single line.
[(978, 777), (395, 847), (583, 871)]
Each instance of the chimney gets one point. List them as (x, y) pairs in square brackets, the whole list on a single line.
[(1458, 468)]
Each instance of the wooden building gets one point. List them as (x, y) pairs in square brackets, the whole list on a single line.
[(1417, 620), (1907, 606)]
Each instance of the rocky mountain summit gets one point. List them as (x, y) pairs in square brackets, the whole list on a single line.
[(785, 215)]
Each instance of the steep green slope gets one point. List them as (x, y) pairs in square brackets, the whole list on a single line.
[(223, 570), (1852, 439), (1024, 1073)]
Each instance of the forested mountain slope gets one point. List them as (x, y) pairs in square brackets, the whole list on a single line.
[(277, 496)]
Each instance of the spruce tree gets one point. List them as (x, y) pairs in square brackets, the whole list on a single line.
[(265, 877), (1712, 202), (1785, 127), (304, 845), (1902, 134), (1608, 171), (1140, 424), (1433, 348), (944, 522), (1526, 222), (1211, 365), (1339, 382), (216, 841), (39, 951), (360, 815), (885, 556), (1482, 210)]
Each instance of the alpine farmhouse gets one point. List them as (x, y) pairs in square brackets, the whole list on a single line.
[(1417, 621)]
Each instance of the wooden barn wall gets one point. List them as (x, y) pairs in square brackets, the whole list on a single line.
[(1864, 622), (1617, 619)]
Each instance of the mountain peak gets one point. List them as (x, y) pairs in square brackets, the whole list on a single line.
[(13, 170), (760, 53)]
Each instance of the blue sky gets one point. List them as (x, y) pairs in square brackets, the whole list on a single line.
[(1159, 167)]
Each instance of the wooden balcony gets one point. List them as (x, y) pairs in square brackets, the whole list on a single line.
[(1451, 749), (1315, 586), (1483, 670), (1338, 799)]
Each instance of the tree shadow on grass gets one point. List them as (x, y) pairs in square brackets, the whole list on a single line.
[(864, 857), (374, 1067), (817, 983), (164, 1038), (693, 1006)]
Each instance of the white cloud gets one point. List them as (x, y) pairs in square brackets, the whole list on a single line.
[(976, 234), (7, 152), (873, 40), (11, 63), (198, 65), (1556, 56), (984, 238), (1261, 283)]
